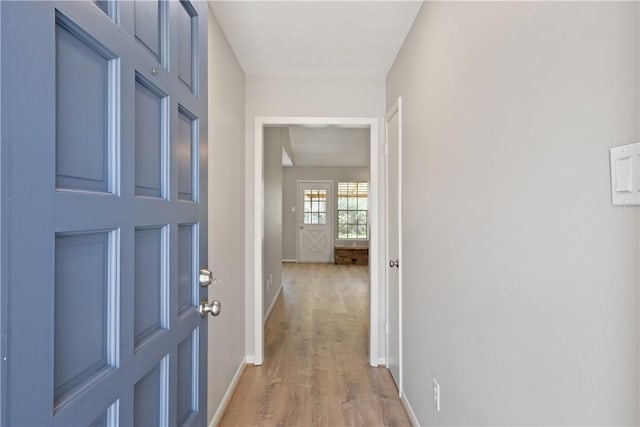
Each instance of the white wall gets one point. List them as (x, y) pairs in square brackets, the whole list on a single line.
[(226, 214), (520, 279), (290, 199), (311, 97), (274, 140)]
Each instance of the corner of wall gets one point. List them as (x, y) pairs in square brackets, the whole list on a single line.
[(227, 251), (228, 394)]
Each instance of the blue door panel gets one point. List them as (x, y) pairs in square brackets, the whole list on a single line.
[(150, 26), (151, 283), (187, 377), (187, 154), (151, 125), (103, 215), (186, 21), (82, 104), (82, 342), (150, 397), (186, 272)]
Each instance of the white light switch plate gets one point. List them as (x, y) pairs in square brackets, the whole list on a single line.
[(625, 175)]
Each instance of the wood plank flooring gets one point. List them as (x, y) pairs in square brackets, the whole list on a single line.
[(316, 370)]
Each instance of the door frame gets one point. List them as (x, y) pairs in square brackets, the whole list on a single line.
[(396, 108), (254, 321), (299, 208)]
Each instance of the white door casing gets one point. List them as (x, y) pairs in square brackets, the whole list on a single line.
[(315, 221), (393, 192), (255, 231)]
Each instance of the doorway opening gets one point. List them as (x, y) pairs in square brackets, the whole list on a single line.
[(261, 199)]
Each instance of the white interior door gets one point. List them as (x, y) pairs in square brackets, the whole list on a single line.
[(315, 219), (394, 246), (104, 108)]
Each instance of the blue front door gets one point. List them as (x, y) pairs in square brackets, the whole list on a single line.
[(103, 212)]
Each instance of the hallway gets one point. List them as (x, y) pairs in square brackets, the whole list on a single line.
[(316, 369)]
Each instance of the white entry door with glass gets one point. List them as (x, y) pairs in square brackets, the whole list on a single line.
[(315, 209)]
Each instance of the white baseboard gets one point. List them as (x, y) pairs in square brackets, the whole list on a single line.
[(273, 304), (382, 361), (409, 409), (217, 417), (289, 260), (250, 359)]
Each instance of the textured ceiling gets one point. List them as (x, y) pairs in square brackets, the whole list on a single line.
[(316, 38)]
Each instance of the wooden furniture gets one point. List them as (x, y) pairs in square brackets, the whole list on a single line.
[(351, 255)]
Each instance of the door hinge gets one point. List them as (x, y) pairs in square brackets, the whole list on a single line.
[(386, 149), (386, 328)]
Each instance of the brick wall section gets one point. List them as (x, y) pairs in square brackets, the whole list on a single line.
[(352, 256)]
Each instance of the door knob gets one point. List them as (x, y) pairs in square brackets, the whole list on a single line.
[(213, 308), (394, 263)]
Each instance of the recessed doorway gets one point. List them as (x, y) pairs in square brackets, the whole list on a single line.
[(257, 318)]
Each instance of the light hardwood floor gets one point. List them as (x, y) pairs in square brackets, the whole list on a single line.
[(316, 370)]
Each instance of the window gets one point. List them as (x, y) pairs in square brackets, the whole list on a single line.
[(352, 210), (315, 207)]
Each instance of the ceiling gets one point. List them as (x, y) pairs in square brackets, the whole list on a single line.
[(321, 38), (316, 38), (329, 146)]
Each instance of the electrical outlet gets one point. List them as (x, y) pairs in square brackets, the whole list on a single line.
[(436, 395), (268, 284)]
